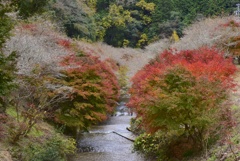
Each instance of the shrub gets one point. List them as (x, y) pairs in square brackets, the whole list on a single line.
[(135, 126), (154, 146), (148, 145), (55, 149)]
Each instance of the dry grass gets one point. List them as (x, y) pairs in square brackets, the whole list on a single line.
[(35, 44), (5, 156), (133, 59), (208, 32)]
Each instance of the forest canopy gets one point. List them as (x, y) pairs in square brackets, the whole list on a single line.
[(133, 23)]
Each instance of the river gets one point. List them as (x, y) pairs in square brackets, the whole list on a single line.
[(109, 141)]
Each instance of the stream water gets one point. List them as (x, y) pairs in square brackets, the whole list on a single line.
[(110, 141)]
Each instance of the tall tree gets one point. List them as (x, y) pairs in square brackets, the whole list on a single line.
[(183, 93), (7, 63)]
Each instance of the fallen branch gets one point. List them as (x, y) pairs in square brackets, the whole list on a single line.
[(123, 136)]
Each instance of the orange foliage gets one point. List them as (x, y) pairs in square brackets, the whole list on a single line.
[(95, 90)]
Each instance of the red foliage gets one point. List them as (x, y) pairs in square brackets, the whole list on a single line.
[(83, 64), (64, 43), (112, 63), (230, 23), (204, 64), (30, 27)]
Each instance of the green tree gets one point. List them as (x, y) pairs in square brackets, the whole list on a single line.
[(182, 105), (143, 41), (7, 63), (7, 69), (34, 100), (92, 4), (112, 26), (125, 22), (165, 19), (103, 4), (76, 17), (148, 7), (28, 8)]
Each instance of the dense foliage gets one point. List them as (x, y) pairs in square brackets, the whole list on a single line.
[(74, 16), (123, 24), (28, 8), (7, 68), (180, 98), (13, 126), (183, 93), (55, 149), (82, 93), (7, 63), (94, 91)]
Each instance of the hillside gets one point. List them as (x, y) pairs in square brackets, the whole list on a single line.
[(40, 42), (133, 23), (39, 37), (59, 77)]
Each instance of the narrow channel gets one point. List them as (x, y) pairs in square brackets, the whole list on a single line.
[(110, 141)]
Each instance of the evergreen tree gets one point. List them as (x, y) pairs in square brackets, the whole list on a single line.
[(77, 21), (28, 8), (7, 63)]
